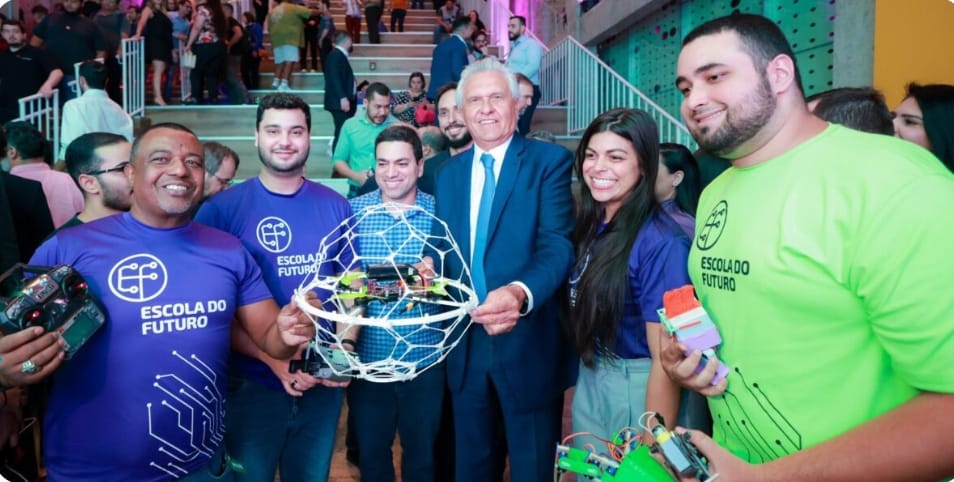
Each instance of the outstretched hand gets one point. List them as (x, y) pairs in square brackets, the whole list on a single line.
[(681, 368), (31, 347)]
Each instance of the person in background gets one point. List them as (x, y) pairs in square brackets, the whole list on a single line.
[(207, 38), (221, 164), (24, 70), (93, 111), (132, 21), (861, 108), (252, 58), (326, 32), (72, 38), (478, 46), (238, 45), (677, 185), (286, 30), (525, 58), (111, 21), (406, 102), (181, 23), (156, 27), (926, 118), (398, 12), (353, 19), (475, 19), (444, 22), (311, 33), (373, 10)]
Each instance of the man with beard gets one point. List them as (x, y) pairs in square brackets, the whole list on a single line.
[(354, 155), (73, 37), (171, 288), (278, 419), (525, 57), (450, 56), (24, 70), (820, 264), (96, 162)]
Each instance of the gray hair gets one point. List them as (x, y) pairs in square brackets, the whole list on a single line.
[(214, 154), (486, 65)]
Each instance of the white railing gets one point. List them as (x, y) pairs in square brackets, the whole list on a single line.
[(132, 60), (43, 113), (185, 85), (573, 76)]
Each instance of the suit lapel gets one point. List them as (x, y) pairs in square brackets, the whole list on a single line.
[(508, 178), (460, 182)]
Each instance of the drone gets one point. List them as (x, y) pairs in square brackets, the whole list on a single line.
[(387, 282)]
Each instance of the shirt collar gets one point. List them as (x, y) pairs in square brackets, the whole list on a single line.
[(345, 52), (499, 152)]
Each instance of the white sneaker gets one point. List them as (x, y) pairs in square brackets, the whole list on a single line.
[(275, 83), (283, 87)]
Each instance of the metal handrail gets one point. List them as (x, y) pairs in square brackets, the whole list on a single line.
[(573, 76), (43, 112), (132, 59)]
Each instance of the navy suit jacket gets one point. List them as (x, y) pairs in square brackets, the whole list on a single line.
[(447, 62), (529, 241), (339, 80)]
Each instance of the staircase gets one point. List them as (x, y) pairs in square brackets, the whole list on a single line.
[(390, 62)]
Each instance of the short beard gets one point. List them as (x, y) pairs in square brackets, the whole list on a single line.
[(742, 123), (113, 199), (291, 168), (462, 142)]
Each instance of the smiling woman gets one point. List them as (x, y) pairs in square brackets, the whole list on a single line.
[(629, 253), (926, 117)]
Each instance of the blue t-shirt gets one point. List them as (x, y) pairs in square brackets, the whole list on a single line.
[(144, 398), (383, 239), (658, 262), (283, 233)]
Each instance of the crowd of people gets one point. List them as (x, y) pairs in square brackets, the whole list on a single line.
[(813, 254)]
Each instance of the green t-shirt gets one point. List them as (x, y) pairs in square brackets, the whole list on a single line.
[(828, 272), (285, 24), (356, 141)]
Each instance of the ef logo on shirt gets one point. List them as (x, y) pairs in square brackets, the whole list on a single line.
[(274, 234), (712, 230), (138, 278)]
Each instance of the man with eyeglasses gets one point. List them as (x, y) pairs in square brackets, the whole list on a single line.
[(97, 162), (221, 164)]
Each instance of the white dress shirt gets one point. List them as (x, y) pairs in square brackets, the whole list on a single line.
[(477, 179), (93, 111)]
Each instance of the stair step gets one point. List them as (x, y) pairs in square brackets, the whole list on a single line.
[(239, 120), (316, 81)]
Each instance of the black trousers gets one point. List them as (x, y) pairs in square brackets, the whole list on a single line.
[(209, 66), (397, 19), (373, 15)]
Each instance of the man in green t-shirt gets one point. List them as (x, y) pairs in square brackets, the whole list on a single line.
[(287, 31), (354, 155), (822, 255)]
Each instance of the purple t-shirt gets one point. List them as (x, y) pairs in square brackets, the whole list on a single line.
[(144, 398), (283, 233), (658, 262)]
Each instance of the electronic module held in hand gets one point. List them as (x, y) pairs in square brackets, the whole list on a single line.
[(322, 361), (684, 317), (57, 298), (682, 457)]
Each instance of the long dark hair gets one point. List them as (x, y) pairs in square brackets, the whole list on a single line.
[(603, 284), (937, 111), (676, 157), (219, 23)]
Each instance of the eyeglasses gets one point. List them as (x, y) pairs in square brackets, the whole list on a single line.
[(118, 168), (225, 182)]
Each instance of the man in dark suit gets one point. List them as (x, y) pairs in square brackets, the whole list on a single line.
[(339, 83), (25, 203), (450, 57), (507, 203)]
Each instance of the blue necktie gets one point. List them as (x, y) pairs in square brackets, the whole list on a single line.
[(483, 226)]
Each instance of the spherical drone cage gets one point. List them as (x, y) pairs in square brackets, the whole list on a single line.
[(391, 296)]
